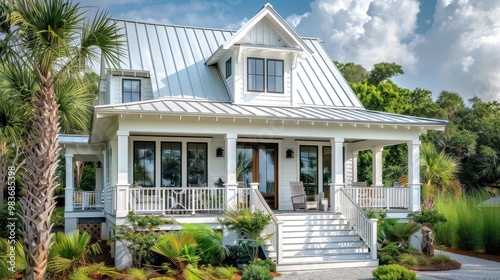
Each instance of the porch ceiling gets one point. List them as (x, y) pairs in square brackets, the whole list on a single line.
[(204, 108)]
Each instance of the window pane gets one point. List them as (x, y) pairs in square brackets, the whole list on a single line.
[(171, 164), (279, 84), (197, 163), (244, 164), (251, 66), (266, 170), (251, 82), (270, 67), (259, 66), (270, 84), (279, 68), (228, 68), (259, 83), (144, 163), (309, 168), (327, 171)]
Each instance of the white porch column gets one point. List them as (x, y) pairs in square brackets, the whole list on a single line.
[(229, 237), (355, 166), (350, 166), (99, 177), (122, 184), (70, 184), (414, 174), (377, 166), (337, 172)]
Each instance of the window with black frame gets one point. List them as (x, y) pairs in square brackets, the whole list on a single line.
[(197, 163), (131, 90), (309, 168), (255, 81), (171, 164), (275, 76), (144, 163)]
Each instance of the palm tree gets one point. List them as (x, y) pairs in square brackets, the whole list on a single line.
[(439, 174), (53, 41)]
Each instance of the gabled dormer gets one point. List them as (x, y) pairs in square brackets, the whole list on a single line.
[(259, 60)]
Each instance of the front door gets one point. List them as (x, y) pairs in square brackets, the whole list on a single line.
[(258, 162)]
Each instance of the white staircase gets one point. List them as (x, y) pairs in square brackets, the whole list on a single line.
[(319, 241)]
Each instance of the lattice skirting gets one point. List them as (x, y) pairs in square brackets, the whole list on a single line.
[(93, 229)]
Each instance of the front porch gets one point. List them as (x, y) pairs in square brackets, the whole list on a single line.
[(212, 200)]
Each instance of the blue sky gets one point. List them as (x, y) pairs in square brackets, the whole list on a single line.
[(441, 44)]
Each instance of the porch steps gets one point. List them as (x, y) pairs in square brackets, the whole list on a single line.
[(319, 241)]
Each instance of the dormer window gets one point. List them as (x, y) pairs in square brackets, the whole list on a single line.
[(275, 75), (258, 77), (255, 74), (228, 68), (131, 90)]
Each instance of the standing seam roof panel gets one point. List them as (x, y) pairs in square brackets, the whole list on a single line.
[(341, 83), (321, 74)]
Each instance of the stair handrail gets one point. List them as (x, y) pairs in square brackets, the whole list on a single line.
[(274, 228), (365, 227)]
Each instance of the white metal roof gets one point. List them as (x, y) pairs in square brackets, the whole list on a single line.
[(303, 113), (176, 55)]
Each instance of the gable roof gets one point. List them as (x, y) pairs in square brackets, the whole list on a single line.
[(176, 55), (290, 36)]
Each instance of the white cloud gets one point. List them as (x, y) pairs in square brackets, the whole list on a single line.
[(295, 19), (365, 31), (460, 52), (463, 46)]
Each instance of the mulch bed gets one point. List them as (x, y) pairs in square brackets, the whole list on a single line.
[(436, 267), (475, 254)]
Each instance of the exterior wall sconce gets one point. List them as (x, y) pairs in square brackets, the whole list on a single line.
[(219, 183), (99, 164), (289, 153), (219, 152)]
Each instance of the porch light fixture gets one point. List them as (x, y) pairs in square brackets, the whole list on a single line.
[(289, 153), (219, 152), (219, 183), (99, 164)]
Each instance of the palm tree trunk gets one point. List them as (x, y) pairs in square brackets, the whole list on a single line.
[(40, 180)]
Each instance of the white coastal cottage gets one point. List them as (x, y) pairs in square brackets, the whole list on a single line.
[(196, 119)]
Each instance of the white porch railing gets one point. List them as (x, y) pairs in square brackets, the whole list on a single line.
[(243, 197), (87, 200), (364, 226), (380, 197), (274, 228), (176, 200)]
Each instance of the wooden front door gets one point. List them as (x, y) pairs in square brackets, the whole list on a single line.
[(258, 162)]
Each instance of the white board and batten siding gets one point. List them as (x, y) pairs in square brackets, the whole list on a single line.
[(264, 34)]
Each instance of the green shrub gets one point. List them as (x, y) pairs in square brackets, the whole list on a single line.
[(267, 263), (393, 272), (491, 233), (440, 259), (469, 225), (408, 259), (422, 260), (57, 217), (256, 272), (384, 259)]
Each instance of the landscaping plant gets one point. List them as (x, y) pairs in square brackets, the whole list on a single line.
[(393, 272), (251, 223), (139, 235), (256, 272), (69, 251)]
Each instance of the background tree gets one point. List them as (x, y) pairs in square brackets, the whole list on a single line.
[(53, 42)]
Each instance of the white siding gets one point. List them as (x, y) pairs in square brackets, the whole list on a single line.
[(263, 34), (230, 80), (242, 96), (288, 173)]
